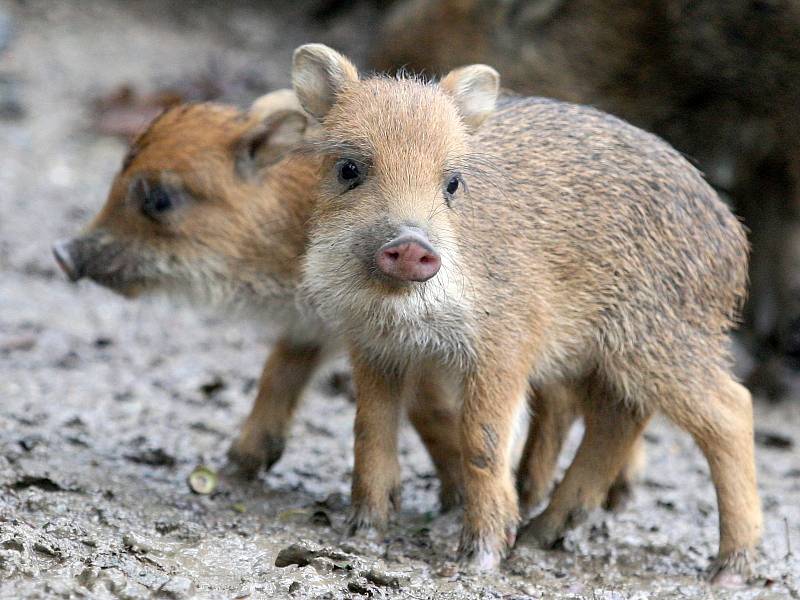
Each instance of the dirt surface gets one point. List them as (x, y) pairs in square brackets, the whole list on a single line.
[(106, 406)]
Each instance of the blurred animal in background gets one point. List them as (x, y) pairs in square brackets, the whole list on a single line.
[(719, 79), (209, 204)]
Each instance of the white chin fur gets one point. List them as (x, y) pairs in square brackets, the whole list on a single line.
[(430, 319)]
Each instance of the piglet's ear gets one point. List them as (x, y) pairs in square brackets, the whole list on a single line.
[(273, 102), (268, 141), (318, 75), (474, 89)]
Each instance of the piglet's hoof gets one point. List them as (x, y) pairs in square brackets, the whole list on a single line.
[(364, 523), (619, 496), (732, 571), (241, 466), (481, 559), (369, 517), (484, 553), (245, 458), (540, 532), (547, 530)]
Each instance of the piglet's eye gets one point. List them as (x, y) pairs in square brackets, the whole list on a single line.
[(349, 173), (452, 185), (156, 202), (349, 170)]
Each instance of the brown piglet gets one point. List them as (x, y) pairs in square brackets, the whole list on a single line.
[(483, 246), (210, 204)]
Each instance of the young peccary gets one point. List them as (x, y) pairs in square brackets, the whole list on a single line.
[(210, 203), (481, 247)]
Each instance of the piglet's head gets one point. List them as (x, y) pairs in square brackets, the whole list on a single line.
[(195, 203), (396, 154)]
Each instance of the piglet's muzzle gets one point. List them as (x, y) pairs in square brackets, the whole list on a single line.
[(65, 258), (409, 257)]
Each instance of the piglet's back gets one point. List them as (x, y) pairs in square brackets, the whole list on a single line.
[(604, 206)]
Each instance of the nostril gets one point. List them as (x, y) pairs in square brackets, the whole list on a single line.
[(392, 254)]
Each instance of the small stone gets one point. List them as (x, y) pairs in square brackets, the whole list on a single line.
[(386, 578), (359, 586), (46, 549), (322, 565), (88, 577), (176, 587), (136, 543)]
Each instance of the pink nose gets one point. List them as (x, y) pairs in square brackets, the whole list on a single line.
[(408, 258)]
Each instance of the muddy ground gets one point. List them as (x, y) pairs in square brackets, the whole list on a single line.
[(106, 405)]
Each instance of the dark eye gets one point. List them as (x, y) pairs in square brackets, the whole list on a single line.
[(349, 173), (156, 202), (452, 185)]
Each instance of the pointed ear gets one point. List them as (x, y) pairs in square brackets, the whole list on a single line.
[(318, 75), (266, 143), (269, 104), (474, 89)]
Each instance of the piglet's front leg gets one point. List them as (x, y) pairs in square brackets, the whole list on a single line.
[(376, 473), (263, 436), (491, 405)]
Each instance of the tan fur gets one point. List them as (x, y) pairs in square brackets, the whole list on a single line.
[(286, 373), (434, 412), (579, 252), (269, 104)]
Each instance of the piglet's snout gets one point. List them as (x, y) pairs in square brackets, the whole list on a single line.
[(409, 257), (64, 255)]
